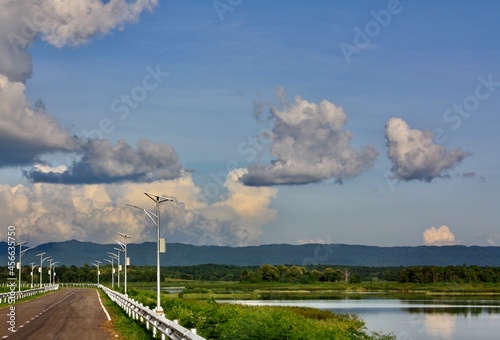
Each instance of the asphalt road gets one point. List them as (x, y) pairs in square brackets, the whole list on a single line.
[(68, 313)]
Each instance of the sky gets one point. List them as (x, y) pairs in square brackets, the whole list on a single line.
[(352, 122)]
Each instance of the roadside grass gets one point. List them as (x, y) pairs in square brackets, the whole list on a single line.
[(126, 328)]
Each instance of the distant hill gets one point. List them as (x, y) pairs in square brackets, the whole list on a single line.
[(78, 253)]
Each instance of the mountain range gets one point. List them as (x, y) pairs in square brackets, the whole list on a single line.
[(78, 253)]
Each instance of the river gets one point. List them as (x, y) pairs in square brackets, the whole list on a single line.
[(454, 319)]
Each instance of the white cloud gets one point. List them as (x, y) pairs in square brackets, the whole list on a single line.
[(26, 133), (73, 22), (55, 212), (103, 162), (438, 236), (415, 156), (309, 144), (319, 240)]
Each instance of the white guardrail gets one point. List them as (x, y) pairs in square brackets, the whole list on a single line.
[(13, 296), (157, 322)]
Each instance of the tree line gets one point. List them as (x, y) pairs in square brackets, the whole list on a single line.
[(449, 274), (270, 273), (414, 274)]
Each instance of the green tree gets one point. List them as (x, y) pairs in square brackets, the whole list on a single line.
[(268, 273)]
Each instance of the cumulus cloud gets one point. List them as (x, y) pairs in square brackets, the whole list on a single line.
[(58, 22), (309, 143), (53, 212), (415, 156), (27, 133), (104, 163), (438, 236), (489, 240)]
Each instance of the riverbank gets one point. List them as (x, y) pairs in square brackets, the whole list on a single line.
[(194, 304), (272, 290)]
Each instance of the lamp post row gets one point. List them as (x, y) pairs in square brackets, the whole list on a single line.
[(160, 248)]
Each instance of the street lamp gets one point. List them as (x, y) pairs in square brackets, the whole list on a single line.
[(160, 245), (98, 272), (33, 266), (112, 272), (52, 272), (21, 253), (127, 260), (118, 251), (41, 268), (113, 257)]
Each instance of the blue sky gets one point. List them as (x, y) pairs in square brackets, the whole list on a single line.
[(208, 67)]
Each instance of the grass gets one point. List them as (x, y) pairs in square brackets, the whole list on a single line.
[(233, 321), (196, 306), (126, 328)]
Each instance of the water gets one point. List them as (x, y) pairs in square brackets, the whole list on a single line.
[(454, 319)]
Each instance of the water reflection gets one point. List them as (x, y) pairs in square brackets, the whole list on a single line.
[(439, 325), (407, 319)]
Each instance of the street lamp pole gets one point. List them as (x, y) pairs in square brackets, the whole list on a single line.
[(124, 250), (118, 250), (21, 253), (41, 268), (127, 260), (155, 217), (113, 257), (50, 273), (33, 266), (53, 271), (98, 272), (112, 272)]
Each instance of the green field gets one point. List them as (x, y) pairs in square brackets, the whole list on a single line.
[(196, 306)]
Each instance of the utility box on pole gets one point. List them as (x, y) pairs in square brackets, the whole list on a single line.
[(163, 245)]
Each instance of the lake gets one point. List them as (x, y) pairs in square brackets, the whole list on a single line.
[(453, 318)]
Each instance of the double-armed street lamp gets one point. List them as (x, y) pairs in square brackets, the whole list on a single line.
[(127, 260), (112, 272), (160, 243), (98, 272), (52, 272), (21, 253), (33, 266), (113, 257), (49, 273), (118, 251), (41, 267)]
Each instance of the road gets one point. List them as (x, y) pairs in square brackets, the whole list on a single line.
[(69, 313)]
